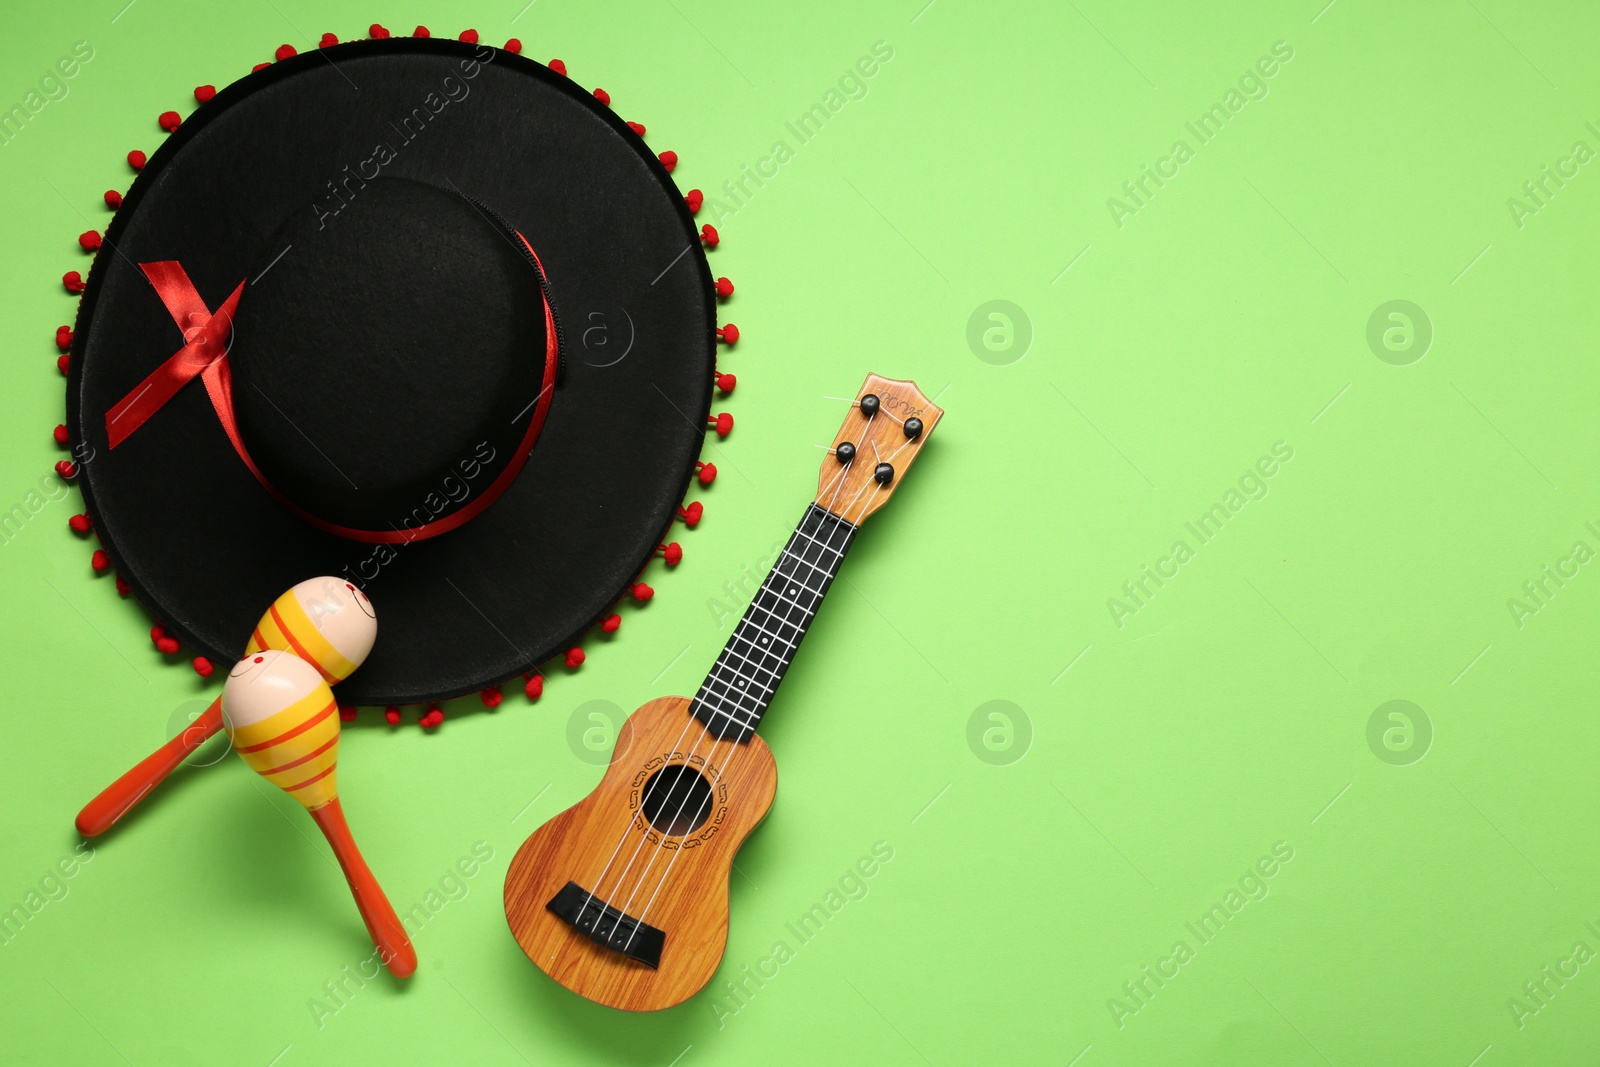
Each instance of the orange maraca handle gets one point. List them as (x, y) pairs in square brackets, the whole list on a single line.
[(102, 813), (394, 946)]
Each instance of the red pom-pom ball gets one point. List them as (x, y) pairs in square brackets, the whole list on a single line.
[(113, 199), (100, 561), (169, 120), (575, 657), (203, 668)]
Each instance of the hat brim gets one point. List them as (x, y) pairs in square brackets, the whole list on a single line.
[(206, 548)]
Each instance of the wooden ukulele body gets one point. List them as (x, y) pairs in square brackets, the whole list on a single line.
[(691, 907)]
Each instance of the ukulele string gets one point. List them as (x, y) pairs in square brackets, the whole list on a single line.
[(656, 781), (705, 731), (699, 813)]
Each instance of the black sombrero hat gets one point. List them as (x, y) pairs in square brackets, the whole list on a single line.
[(418, 312)]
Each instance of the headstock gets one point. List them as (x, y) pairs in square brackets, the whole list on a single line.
[(877, 433)]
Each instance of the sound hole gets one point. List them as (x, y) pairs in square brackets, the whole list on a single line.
[(677, 800)]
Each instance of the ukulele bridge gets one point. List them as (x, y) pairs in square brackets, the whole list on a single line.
[(608, 927)]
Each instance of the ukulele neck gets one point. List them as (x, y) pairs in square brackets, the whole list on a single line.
[(735, 695)]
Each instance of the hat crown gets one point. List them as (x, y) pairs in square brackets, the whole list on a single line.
[(387, 362)]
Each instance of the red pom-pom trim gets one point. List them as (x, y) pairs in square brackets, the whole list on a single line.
[(378, 33), (491, 696), (80, 525), (158, 634), (724, 288), (137, 159), (672, 553), (603, 96), (60, 434), (637, 128), (203, 668), (692, 514), (67, 469), (471, 37), (202, 93), (729, 335), (575, 657), (706, 472), (641, 592), (433, 717), (723, 423), (669, 159), (534, 686), (391, 714), (726, 382), (421, 31), (100, 561), (64, 364), (558, 66), (708, 234), (63, 337), (89, 240), (167, 646), (260, 66), (169, 120), (123, 588), (113, 199), (611, 623), (328, 41), (514, 46), (694, 198), (72, 282), (285, 51), (347, 713)]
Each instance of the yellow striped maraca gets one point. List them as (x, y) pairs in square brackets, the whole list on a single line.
[(282, 719), (325, 621)]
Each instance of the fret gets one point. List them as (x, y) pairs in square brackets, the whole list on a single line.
[(758, 653)]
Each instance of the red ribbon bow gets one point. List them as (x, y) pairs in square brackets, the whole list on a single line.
[(205, 353)]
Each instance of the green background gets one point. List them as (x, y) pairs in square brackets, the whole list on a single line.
[(1046, 855)]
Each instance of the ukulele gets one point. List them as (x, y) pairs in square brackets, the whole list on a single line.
[(623, 897)]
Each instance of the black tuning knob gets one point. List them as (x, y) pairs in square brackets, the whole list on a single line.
[(913, 428), (845, 452), (883, 473), (869, 405)]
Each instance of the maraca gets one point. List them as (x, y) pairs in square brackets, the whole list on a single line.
[(282, 719), (326, 621)]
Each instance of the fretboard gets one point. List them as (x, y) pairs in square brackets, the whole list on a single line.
[(736, 693)]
